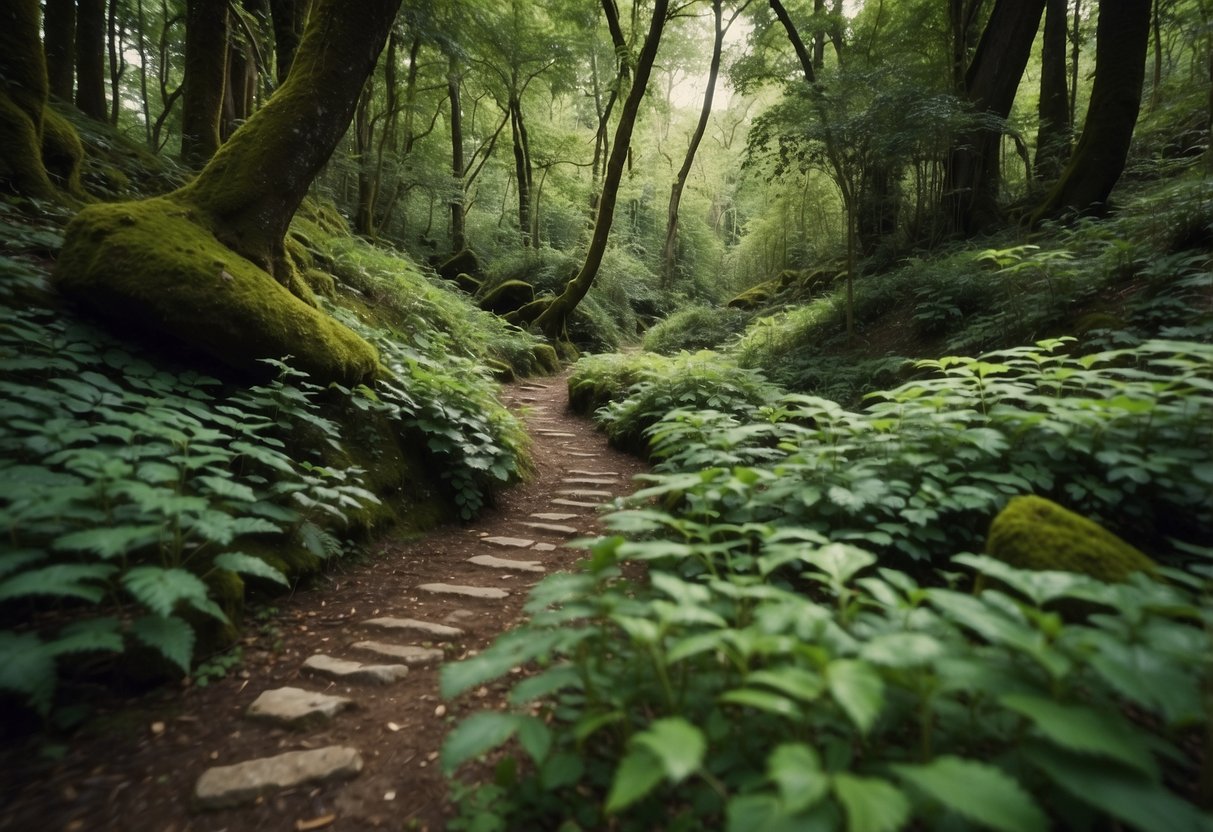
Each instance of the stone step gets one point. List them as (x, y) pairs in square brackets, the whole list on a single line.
[(438, 632), (410, 654), (583, 473), (505, 563), (535, 387), (590, 481), (543, 547), (552, 528), (554, 516), (225, 786), (584, 492), (507, 542), (347, 671), (484, 592), (560, 501), (557, 434), (296, 708)]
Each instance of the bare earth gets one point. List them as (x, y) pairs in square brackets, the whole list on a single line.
[(136, 767)]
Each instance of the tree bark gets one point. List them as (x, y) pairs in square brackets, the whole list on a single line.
[(1053, 136), (1121, 42), (115, 30), (59, 41), (90, 59), (458, 234), (288, 17), (552, 320), (522, 166), (205, 79), (364, 137), (23, 92)]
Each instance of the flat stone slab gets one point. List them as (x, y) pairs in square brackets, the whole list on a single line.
[(590, 481), (438, 632), (553, 528), (543, 547), (583, 492), (507, 542), (554, 516), (578, 472), (581, 454), (560, 501), (410, 654), (559, 434), (295, 707), (225, 786), (486, 592), (347, 671), (505, 563), (535, 387)]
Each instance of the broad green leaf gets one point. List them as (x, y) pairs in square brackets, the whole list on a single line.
[(840, 561), (1039, 587), (228, 488), (1085, 730), (638, 773), (858, 689), (109, 542), (535, 737), (902, 649), (872, 805), (797, 682), (86, 636), (64, 580), (560, 677), (172, 637), (27, 668), (249, 565), (515, 648), (475, 735), (978, 791), (161, 589), (795, 768), (762, 700), (677, 744), (765, 813), (12, 561)]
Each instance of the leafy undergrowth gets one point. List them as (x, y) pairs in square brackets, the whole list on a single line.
[(806, 650)]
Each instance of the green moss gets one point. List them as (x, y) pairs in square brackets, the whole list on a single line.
[(152, 265), (468, 283), (21, 168), (756, 296), (546, 358), (462, 262), (1035, 533), (507, 297), (62, 153), (322, 283), (527, 314)]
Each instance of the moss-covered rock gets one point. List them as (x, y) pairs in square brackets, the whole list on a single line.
[(63, 153), (1035, 533), (461, 262), (322, 283), (154, 265), (546, 358), (755, 296), (527, 314), (468, 283), (507, 297)]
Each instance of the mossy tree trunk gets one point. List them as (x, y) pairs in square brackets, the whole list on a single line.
[(552, 320), (205, 79), (1053, 136), (458, 236), (288, 17), (1121, 42), (90, 59), (59, 43)]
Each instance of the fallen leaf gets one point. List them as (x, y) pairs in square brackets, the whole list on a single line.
[(314, 823)]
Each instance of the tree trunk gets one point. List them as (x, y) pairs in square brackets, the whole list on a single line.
[(205, 79), (1053, 137), (1121, 42), (1075, 41), (680, 180), (115, 31), (552, 320), (22, 99), (59, 32), (458, 235), (90, 59), (522, 167), (820, 34), (288, 17), (973, 175), (196, 265), (364, 137)]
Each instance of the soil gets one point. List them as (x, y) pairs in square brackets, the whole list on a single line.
[(135, 764)]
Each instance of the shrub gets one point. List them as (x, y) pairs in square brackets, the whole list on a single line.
[(695, 328)]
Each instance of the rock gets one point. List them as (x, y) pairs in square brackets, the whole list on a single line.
[(347, 671), (296, 708), (557, 434), (590, 481), (508, 542), (554, 516), (505, 563), (410, 654), (554, 528), (543, 547), (560, 501), (580, 473), (534, 387), (506, 297), (438, 632), (581, 454), (234, 785), (485, 592), (580, 492)]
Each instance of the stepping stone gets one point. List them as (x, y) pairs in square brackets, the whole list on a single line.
[(554, 528), (590, 481), (580, 492), (508, 542), (581, 454), (295, 707), (505, 563), (408, 653), (574, 503), (543, 547), (559, 434), (347, 671), (438, 632), (580, 473), (486, 592), (554, 516), (225, 786), (536, 387)]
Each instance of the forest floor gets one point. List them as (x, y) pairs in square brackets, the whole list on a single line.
[(137, 763)]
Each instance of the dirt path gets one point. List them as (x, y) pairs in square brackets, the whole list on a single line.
[(139, 765)]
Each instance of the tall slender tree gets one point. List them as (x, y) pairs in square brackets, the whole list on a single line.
[(90, 59), (59, 41), (1053, 136), (205, 79)]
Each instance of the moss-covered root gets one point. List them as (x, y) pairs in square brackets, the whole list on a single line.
[(1035, 533), (155, 266)]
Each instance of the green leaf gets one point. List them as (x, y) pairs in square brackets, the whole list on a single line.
[(228, 489), (477, 734), (1085, 730), (762, 700), (87, 636), (511, 650), (64, 580), (109, 542), (161, 589), (858, 688), (560, 677), (902, 649), (27, 667), (872, 805), (249, 565), (797, 682), (638, 773), (980, 792), (840, 561), (534, 737), (677, 744), (172, 637), (795, 768)]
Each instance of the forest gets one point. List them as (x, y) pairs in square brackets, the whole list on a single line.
[(904, 307)]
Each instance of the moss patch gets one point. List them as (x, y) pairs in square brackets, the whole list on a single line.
[(151, 264), (62, 152), (508, 296), (1035, 533)]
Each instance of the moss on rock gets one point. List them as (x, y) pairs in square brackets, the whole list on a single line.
[(1035, 533), (546, 357), (155, 265), (62, 152), (507, 297), (755, 297), (462, 262)]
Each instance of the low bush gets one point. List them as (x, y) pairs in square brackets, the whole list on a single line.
[(695, 328)]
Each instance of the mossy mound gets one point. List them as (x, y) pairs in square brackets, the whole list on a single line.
[(507, 297), (63, 153), (468, 283), (461, 262), (154, 266), (1035, 533), (546, 358), (756, 296), (528, 313)]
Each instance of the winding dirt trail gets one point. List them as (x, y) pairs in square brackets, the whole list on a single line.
[(364, 732)]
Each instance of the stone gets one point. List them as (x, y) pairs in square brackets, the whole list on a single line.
[(578, 472), (505, 563), (295, 707), (485, 592), (560, 501), (554, 516), (590, 481), (543, 547), (508, 542), (226, 786), (410, 654), (536, 387), (347, 671), (553, 528), (581, 454), (583, 492), (438, 632)]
